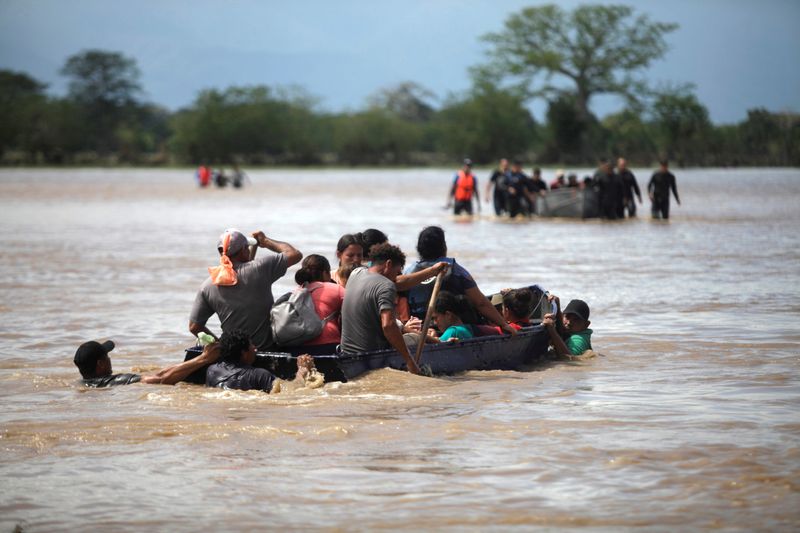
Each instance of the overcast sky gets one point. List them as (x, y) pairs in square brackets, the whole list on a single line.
[(740, 54)]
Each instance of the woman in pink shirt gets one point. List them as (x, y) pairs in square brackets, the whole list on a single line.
[(315, 271)]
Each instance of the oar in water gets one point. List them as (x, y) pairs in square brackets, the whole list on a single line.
[(428, 315)]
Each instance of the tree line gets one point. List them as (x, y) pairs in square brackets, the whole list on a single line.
[(564, 58)]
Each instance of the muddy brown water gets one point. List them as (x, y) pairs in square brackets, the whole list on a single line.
[(689, 420)]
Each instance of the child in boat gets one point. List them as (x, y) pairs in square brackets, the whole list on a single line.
[(447, 316), (517, 308), (573, 337)]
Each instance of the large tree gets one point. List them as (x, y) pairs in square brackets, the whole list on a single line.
[(594, 49), (105, 86)]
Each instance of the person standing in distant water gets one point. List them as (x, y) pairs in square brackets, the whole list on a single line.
[(239, 177), (610, 190), (499, 179), (629, 187), (517, 187), (203, 175), (536, 187), (464, 189), (658, 189)]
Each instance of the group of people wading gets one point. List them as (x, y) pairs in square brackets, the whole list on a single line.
[(515, 192), (372, 301), (206, 175)]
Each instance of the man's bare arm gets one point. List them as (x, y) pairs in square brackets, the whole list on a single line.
[(175, 373), (292, 254), (395, 337), (407, 281)]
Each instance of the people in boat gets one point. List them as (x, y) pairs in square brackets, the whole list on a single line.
[(517, 186), (569, 331), (498, 180), (658, 189), (239, 291), (239, 177), (368, 312), (94, 364), (447, 315), (203, 175), (315, 274), (464, 190), (572, 181), (629, 188), (559, 180), (369, 238), (235, 368), (349, 251), (432, 250), (609, 188)]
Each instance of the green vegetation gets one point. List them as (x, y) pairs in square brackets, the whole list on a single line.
[(562, 57)]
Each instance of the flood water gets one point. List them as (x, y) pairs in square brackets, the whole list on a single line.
[(689, 420)]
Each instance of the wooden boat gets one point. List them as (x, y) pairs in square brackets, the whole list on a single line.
[(485, 352), (570, 203)]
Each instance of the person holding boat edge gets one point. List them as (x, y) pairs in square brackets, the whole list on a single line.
[(368, 312), (94, 364), (569, 331)]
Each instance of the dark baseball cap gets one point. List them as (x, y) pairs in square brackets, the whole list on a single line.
[(577, 307), (90, 352), (468, 162)]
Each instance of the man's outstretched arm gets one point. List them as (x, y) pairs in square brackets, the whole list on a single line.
[(175, 373)]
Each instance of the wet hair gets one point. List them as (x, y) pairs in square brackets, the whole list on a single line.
[(344, 271), (537, 171), (232, 344), (312, 269), (369, 238), (387, 252), (431, 244), (447, 301), (346, 240), (518, 302), (663, 162)]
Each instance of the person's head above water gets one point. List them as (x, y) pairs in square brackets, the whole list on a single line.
[(92, 359), (235, 347), (576, 316), (431, 243)]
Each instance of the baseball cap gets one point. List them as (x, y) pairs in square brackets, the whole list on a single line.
[(577, 307), (237, 243), (468, 162), (90, 352)]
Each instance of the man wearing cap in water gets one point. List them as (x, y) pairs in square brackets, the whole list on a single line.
[(569, 331), (239, 290), (94, 364)]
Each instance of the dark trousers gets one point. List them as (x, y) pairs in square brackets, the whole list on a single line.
[(661, 208), (461, 206)]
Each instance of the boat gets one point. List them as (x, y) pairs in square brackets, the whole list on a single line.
[(569, 202), (484, 352)]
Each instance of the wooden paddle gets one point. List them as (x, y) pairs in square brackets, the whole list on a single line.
[(428, 314)]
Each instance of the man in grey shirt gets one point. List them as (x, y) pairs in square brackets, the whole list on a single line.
[(239, 291), (368, 311)]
